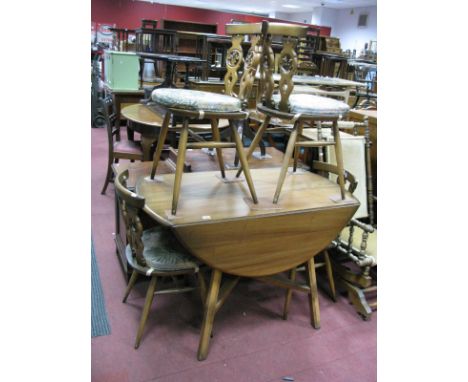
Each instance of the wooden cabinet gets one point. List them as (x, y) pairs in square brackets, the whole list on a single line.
[(188, 26)]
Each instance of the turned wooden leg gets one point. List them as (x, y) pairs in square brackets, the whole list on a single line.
[(131, 283), (313, 295), (244, 163), (256, 141), (146, 309), (287, 301), (217, 138), (209, 313), (287, 156), (339, 158), (329, 270), (180, 164), (160, 144)]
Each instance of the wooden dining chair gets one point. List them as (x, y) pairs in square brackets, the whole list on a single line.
[(324, 169), (154, 253), (193, 105), (118, 148), (354, 260), (297, 109)]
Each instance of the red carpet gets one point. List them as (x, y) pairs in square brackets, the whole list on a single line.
[(250, 340)]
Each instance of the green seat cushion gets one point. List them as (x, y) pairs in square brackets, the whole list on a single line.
[(195, 100), (314, 105), (163, 252)]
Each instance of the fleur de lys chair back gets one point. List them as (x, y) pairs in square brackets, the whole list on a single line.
[(191, 104), (285, 105), (154, 253)]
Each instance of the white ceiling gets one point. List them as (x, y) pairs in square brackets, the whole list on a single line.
[(268, 6)]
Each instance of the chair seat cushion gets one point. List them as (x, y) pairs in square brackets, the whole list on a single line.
[(128, 147), (314, 105), (163, 252), (371, 249), (195, 100)]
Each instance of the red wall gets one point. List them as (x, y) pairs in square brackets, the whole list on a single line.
[(128, 14)]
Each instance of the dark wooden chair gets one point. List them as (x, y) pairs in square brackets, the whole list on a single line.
[(154, 253), (367, 98), (118, 148)]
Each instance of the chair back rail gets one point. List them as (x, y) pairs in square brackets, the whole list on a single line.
[(130, 205)]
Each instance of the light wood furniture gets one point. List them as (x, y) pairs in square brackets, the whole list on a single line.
[(214, 116), (283, 107), (355, 264), (324, 168), (232, 235), (371, 115), (117, 147), (153, 253), (195, 160), (230, 107), (356, 258)]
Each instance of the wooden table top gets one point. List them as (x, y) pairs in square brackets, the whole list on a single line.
[(198, 161), (206, 199), (171, 57), (141, 114), (360, 114), (217, 222)]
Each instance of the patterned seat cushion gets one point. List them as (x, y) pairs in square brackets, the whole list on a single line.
[(195, 100), (314, 105), (163, 252)]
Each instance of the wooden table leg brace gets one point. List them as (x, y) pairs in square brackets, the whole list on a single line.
[(217, 295)]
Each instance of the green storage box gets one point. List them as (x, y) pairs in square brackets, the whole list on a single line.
[(121, 70)]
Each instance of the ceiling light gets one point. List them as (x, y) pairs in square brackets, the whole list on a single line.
[(290, 6)]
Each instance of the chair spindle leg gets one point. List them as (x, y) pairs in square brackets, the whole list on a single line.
[(146, 309), (180, 164)]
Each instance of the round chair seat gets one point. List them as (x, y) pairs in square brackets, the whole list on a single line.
[(314, 105), (162, 252), (195, 100)]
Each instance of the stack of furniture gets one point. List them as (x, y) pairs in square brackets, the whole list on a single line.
[(308, 45), (273, 220)]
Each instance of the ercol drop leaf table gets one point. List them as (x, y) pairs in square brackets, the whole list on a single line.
[(217, 223)]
